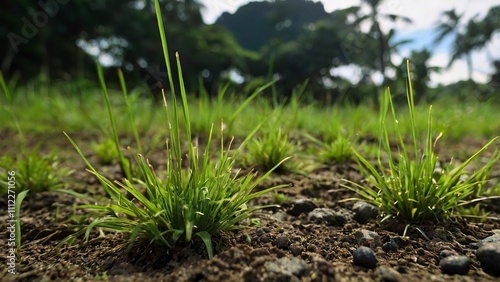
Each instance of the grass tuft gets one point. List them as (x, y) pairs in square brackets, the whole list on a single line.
[(105, 150), (410, 185), (339, 151), (198, 196), (270, 149), (34, 172)]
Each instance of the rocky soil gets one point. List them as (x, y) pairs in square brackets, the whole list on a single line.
[(313, 236)]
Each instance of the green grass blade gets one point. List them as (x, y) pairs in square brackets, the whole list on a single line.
[(164, 46), (129, 110), (207, 239), (19, 200), (411, 106), (124, 164)]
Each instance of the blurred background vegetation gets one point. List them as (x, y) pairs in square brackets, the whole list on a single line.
[(291, 41)]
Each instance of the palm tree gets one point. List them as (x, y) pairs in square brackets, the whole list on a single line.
[(374, 17), (463, 44), (421, 72)]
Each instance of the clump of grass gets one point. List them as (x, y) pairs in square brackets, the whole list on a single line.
[(200, 200), (105, 150), (270, 149), (34, 172), (410, 186), (279, 198), (337, 151)]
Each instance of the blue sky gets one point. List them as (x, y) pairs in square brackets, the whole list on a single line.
[(424, 13)]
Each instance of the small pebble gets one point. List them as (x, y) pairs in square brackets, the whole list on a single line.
[(387, 274), (296, 249), (282, 242), (259, 232), (364, 256), (301, 206), (455, 265), (446, 253), (489, 257), (264, 238), (326, 216), (364, 212), (364, 236), (390, 246)]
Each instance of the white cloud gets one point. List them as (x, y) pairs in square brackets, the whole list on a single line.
[(350, 72)]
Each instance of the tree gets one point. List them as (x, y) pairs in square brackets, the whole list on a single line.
[(420, 72), (495, 77), (256, 24), (491, 23), (374, 17), (450, 25), (54, 38), (327, 44), (474, 36)]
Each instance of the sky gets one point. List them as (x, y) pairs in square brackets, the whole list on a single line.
[(425, 14)]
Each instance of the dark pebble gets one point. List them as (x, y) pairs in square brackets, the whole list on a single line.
[(489, 257), (259, 232), (282, 242), (265, 238), (301, 206), (446, 253), (364, 256), (455, 265), (296, 249), (390, 246), (364, 212)]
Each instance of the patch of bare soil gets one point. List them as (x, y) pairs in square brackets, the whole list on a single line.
[(312, 237)]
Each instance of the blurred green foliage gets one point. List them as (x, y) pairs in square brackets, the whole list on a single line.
[(290, 41)]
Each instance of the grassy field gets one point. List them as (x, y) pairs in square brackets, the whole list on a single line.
[(72, 108)]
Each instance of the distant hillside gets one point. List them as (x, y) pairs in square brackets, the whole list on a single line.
[(257, 23)]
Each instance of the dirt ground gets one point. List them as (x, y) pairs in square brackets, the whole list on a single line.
[(276, 244)]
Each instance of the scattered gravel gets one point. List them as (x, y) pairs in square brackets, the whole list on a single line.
[(297, 242), (364, 256), (455, 265)]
